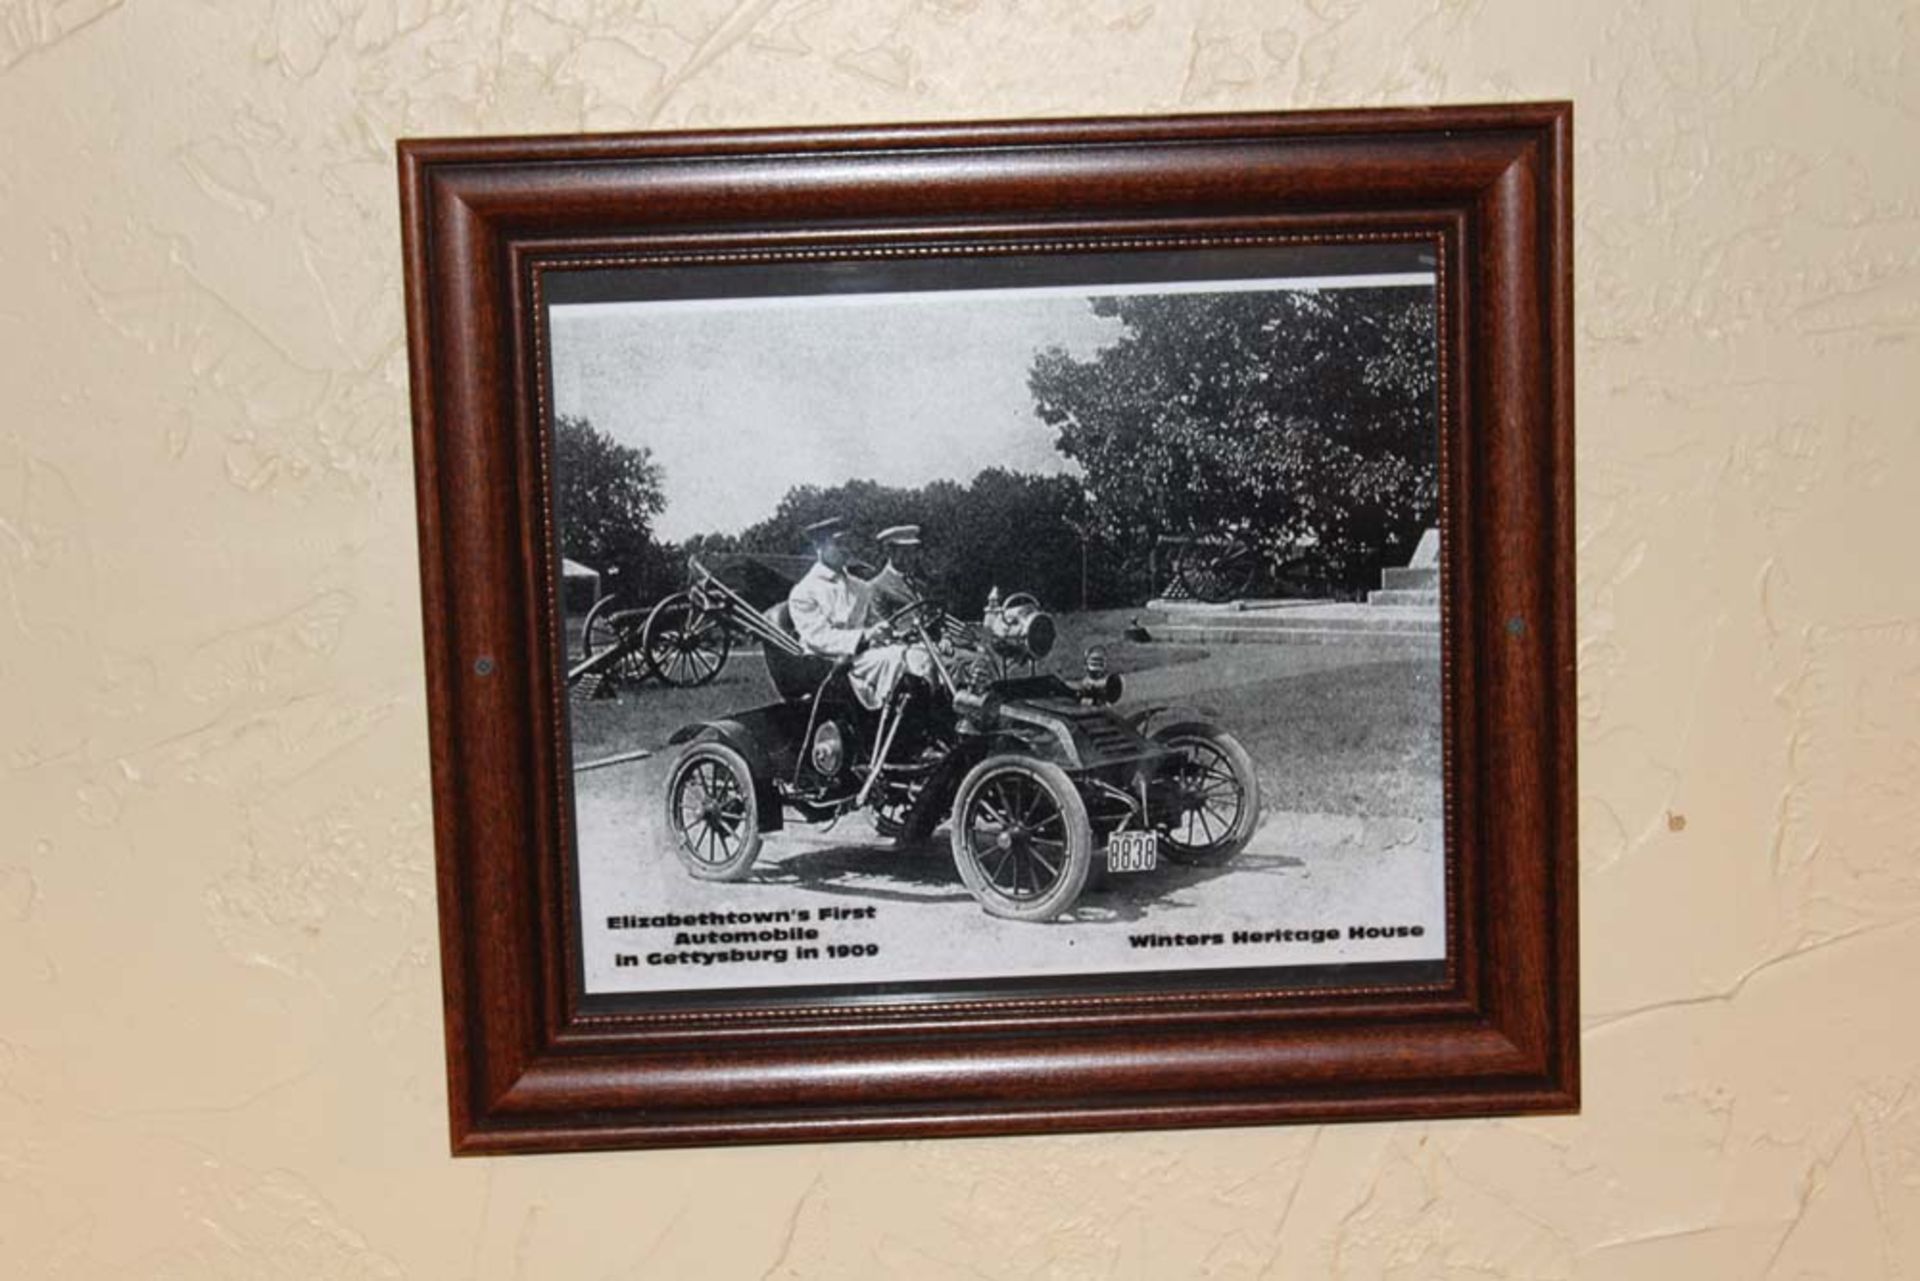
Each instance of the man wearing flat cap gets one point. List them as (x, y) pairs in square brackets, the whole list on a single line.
[(895, 584), (833, 614)]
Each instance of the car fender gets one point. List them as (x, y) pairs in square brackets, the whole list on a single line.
[(1035, 737), (741, 740), (1141, 720)]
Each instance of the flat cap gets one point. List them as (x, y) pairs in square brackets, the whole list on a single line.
[(821, 530), (899, 536)]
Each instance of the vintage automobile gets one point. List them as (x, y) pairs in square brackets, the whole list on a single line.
[(1042, 783)]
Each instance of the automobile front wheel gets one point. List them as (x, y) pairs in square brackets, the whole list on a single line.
[(1021, 838), (713, 812), (1219, 794)]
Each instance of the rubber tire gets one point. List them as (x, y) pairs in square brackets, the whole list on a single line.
[(736, 867), (1079, 840), (1244, 777)]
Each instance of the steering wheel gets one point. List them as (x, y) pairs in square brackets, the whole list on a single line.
[(908, 613)]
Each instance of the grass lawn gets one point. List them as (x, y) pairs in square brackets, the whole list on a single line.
[(1362, 740)]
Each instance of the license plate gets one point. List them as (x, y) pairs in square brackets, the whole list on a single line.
[(1133, 851)]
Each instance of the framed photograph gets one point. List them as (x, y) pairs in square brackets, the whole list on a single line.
[(999, 627)]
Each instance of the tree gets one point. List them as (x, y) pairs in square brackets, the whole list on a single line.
[(1305, 416), (605, 497), (1021, 532), (1012, 530)]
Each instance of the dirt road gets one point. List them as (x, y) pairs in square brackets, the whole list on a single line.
[(1315, 886)]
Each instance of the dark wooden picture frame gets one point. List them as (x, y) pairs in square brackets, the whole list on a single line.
[(530, 1070)]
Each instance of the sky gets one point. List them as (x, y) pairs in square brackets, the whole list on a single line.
[(742, 399)]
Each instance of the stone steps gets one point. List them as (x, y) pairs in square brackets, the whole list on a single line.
[(1251, 605), (1381, 642), (1402, 616), (1423, 596), (1317, 616), (1425, 577), (1389, 628)]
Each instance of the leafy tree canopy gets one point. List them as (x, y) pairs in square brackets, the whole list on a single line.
[(1013, 530), (1307, 417), (605, 497)]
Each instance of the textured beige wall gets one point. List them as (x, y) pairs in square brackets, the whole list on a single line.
[(219, 1025)]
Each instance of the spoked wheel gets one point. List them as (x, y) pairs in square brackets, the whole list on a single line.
[(607, 627), (713, 813), (1217, 568), (1219, 794), (1021, 839), (685, 645)]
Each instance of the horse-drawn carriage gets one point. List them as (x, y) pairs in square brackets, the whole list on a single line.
[(685, 638)]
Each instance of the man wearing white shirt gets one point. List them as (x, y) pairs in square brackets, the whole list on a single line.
[(833, 612)]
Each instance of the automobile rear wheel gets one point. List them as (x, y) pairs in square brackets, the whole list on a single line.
[(713, 812), (1219, 794), (1021, 839)]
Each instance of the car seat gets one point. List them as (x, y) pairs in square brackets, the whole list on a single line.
[(798, 675)]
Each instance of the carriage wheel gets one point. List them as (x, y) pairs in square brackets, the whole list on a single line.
[(606, 627), (1021, 838), (685, 645), (1217, 568)]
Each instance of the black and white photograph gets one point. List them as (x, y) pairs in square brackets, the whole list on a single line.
[(1002, 620)]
